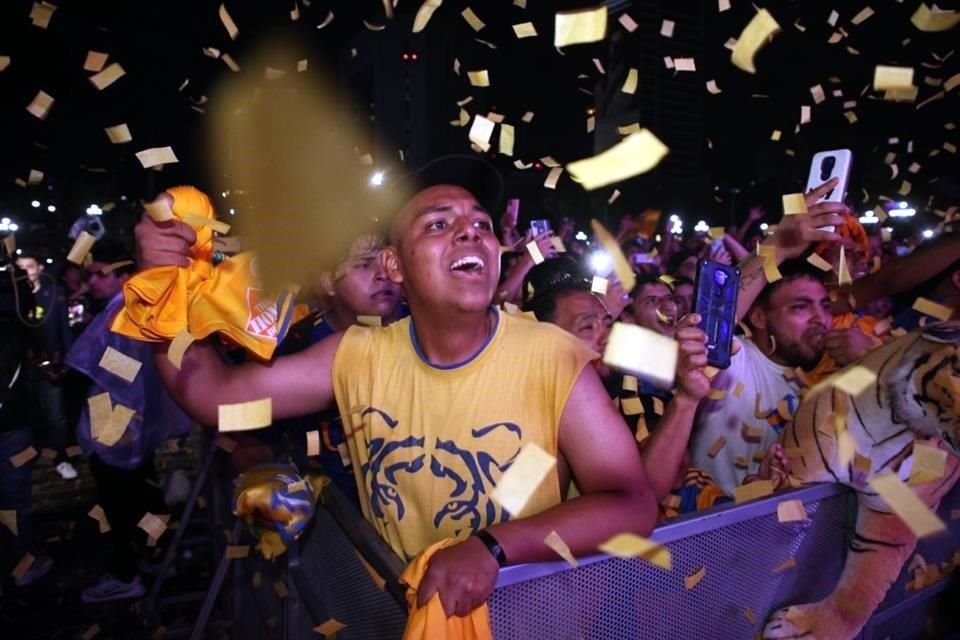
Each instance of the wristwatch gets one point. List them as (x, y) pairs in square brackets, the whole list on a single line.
[(492, 546)]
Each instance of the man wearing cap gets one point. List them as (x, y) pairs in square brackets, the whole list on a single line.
[(439, 404)]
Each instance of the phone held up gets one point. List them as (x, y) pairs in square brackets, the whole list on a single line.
[(540, 226), (715, 301), (825, 165)]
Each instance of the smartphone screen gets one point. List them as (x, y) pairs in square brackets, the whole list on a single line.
[(715, 301), (538, 227)]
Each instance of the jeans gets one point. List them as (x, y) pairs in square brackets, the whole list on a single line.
[(50, 397), (15, 487)]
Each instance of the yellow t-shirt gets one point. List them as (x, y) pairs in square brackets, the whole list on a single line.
[(429, 444)]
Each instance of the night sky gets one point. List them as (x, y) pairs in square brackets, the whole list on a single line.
[(719, 142)]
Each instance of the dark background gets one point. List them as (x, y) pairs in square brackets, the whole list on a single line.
[(721, 161)]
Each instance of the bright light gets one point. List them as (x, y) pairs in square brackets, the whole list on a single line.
[(927, 233), (49, 260), (902, 213), (902, 204), (94, 210), (233, 211), (35, 204), (51, 208), (600, 262), (657, 239), (702, 227), (581, 236), (869, 218), (674, 218), (376, 180), (677, 227), (4, 220), (6, 224), (224, 194), (764, 226)]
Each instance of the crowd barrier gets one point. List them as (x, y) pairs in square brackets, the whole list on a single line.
[(745, 551)]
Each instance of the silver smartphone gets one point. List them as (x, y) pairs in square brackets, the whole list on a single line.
[(826, 165)]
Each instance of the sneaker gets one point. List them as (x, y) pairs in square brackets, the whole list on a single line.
[(109, 589), (66, 471), (39, 568)]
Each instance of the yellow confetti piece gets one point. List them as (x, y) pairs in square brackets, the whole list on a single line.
[(712, 87), (228, 22), (81, 247), (120, 364), (475, 23), (933, 309), (108, 76), (119, 134), (578, 27), (599, 285), (776, 135), (750, 434), (98, 514), (370, 321), (630, 383), (41, 104), (628, 545), (556, 543), (905, 503), (525, 30), (794, 203), (23, 565), (329, 627), (752, 491), (853, 381), (313, 443), (770, 269), (178, 347), (94, 61), (631, 406), (521, 480), (783, 566), (666, 28), (684, 64), (156, 156), (553, 177), (926, 19), (245, 416), (758, 32), (506, 139), (41, 13), (694, 579), (424, 13), (843, 270), (194, 220), (236, 552), (929, 464), (818, 262), (628, 23), (887, 77), (716, 394), (738, 390), (534, 250), (717, 446), (952, 82), (643, 353), (153, 525), (901, 95), (8, 518), (632, 156), (479, 78), (630, 85), (791, 511)]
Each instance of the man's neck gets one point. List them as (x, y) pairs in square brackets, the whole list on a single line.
[(451, 338), (340, 318)]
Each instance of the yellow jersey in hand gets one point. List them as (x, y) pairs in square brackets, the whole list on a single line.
[(429, 444)]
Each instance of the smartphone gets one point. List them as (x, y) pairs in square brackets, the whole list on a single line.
[(539, 226), (825, 165), (715, 301)]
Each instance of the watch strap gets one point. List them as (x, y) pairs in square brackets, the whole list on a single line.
[(493, 546)]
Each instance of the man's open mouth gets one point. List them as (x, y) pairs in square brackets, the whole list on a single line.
[(468, 264)]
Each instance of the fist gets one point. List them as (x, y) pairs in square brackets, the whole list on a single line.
[(692, 382), (162, 244), (775, 465), (463, 575), (846, 345)]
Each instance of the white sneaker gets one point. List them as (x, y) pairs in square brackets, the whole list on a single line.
[(66, 471), (108, 589)]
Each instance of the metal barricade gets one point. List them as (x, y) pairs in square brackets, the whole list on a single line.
[(745, 550)]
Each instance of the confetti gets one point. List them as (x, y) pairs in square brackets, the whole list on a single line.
[(245, 416), (853, 381), (925, 19), (369, 321), (236, 552), (479, 78), (527, 117), (41, 13), (313, 443), (81, 247), (178, 347), (555, 542), (194, 220), (666, 28), (783, 566), (120, 364), (751, 434), (716, 394), (424, 13), (475, 23), (95, 61), (35, 177), (4, 62), (929, 464), (228, 23), (861, 17), (630, 85), (8, 518), (694, 579), (108, 76), (628, 23), (506, 139), (329, 627), (40, 105), (231, 63), (933, 309), (843, 269), (620, 265), (886, 77), (817, 261), (153, 525), (817, 92), (156, 156), (758, 32), (632, 156), (805, 114), (738, 390), (770, 269), (534, 250), (712, 87), (578, 27), (723, 5), (599, 286), (628, 545), (752, 491), (553, 177), (791, 511), (776, 135), (100, 516), (520, 481), (905, 503), (794, 203), (525, 30), (631, 406), (119, 134), (643, 353)]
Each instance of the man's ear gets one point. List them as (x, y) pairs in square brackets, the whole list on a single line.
[(955, 278), (757, 318), (390, 263), (326, 283)]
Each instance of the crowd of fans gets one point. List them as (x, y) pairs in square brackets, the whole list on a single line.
[(459, 351)]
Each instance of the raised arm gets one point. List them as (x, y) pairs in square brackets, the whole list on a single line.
[(297, 384), (615, 497), (793, 236)]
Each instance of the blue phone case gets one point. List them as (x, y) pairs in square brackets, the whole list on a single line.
[(715, 301)]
